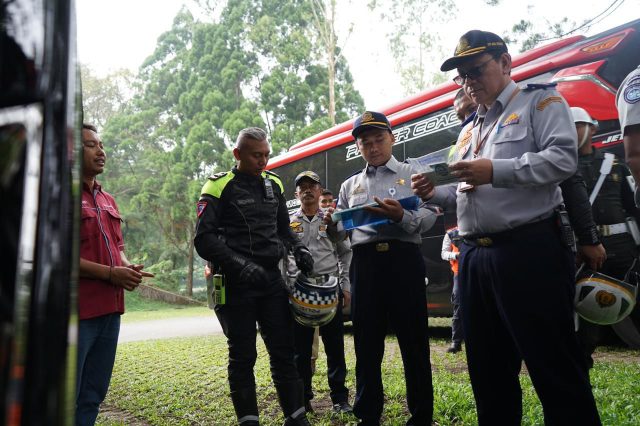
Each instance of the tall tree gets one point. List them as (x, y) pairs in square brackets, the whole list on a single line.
[(103, 97), (414, 46), (254, 65)]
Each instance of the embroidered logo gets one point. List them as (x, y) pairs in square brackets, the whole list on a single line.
[(632, 91), (462, 46), (512, 119), (201, 206), (367, 116)]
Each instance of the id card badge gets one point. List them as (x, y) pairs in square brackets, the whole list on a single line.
[(465, 187)]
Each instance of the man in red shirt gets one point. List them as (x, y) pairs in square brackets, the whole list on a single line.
[(104, 273)]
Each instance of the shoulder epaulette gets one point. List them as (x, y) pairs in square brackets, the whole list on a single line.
[(536, 86), (469, 119), (269, 172), (216, 183), (357, 172), (218, 175)]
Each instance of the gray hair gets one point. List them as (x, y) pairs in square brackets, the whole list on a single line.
[(255, 133)]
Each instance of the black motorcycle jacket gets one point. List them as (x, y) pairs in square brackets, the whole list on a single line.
[(576, 200), (243, 218)]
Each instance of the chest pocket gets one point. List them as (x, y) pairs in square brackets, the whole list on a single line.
[(89, 227), (358, 198), (507, 142), (114, 220)]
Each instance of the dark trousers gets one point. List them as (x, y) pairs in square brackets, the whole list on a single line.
[(457, 334), (517, 304), (97, 343), (389, 289), (333, 341), (238, 321)]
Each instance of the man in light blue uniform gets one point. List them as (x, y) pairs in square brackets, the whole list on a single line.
[(332, 256), (516, 269), (387, 275), (628, 104)]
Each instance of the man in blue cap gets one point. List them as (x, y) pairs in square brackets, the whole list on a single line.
[(387, 275), (517, 270)]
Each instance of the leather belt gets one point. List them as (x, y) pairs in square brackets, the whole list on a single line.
[(514, 234), (385, 246), (614, 229)]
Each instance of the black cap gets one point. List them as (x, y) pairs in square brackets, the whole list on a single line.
[(308, 174), (370, 119), (472, 44)]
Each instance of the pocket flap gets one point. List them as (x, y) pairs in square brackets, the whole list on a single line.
[(510, 133)]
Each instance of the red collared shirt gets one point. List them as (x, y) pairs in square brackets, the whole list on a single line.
[(100, 242)]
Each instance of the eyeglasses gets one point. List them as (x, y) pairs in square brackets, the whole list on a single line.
[(473, 73)]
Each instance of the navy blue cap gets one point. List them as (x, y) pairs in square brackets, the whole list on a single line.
[(472, 44), (368, 120)]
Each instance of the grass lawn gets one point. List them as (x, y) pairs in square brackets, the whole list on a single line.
[(184, 382), (139, 308)]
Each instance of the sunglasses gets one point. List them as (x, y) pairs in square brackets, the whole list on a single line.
[(473, 73)]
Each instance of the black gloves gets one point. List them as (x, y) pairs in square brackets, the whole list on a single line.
[(247, 271), (253, 274), (304, 260)]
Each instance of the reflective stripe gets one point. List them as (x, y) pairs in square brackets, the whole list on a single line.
[(215, 186), (299, 412), (249, 418)]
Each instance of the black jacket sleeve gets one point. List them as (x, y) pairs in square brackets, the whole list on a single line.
[(209, 240), (574, 192), (628, 201)]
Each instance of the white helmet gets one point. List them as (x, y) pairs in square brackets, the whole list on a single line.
[(580, 115), (601, 299), (314, 300)]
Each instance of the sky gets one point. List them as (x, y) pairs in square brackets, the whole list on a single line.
[(117, 34)]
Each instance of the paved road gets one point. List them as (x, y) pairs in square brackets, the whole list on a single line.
[(167, 328)]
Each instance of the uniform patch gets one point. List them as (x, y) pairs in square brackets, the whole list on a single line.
[(632, 92), (512, 119), (296, 227), (358, 190), (201, 206), (400, 182), (546, 102), (463, 145)]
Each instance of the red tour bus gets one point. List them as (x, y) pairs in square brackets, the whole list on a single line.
[(587, 71)]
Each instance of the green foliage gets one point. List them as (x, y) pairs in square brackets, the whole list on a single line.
[(184, 382), (102, 98), (140, 308), (412, 42), (255, 65), (526, 35)]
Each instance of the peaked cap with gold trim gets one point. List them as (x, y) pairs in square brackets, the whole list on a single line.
[(368, 120), (472, 44)]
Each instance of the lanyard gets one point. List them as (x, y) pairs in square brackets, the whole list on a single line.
[(480, 144)]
